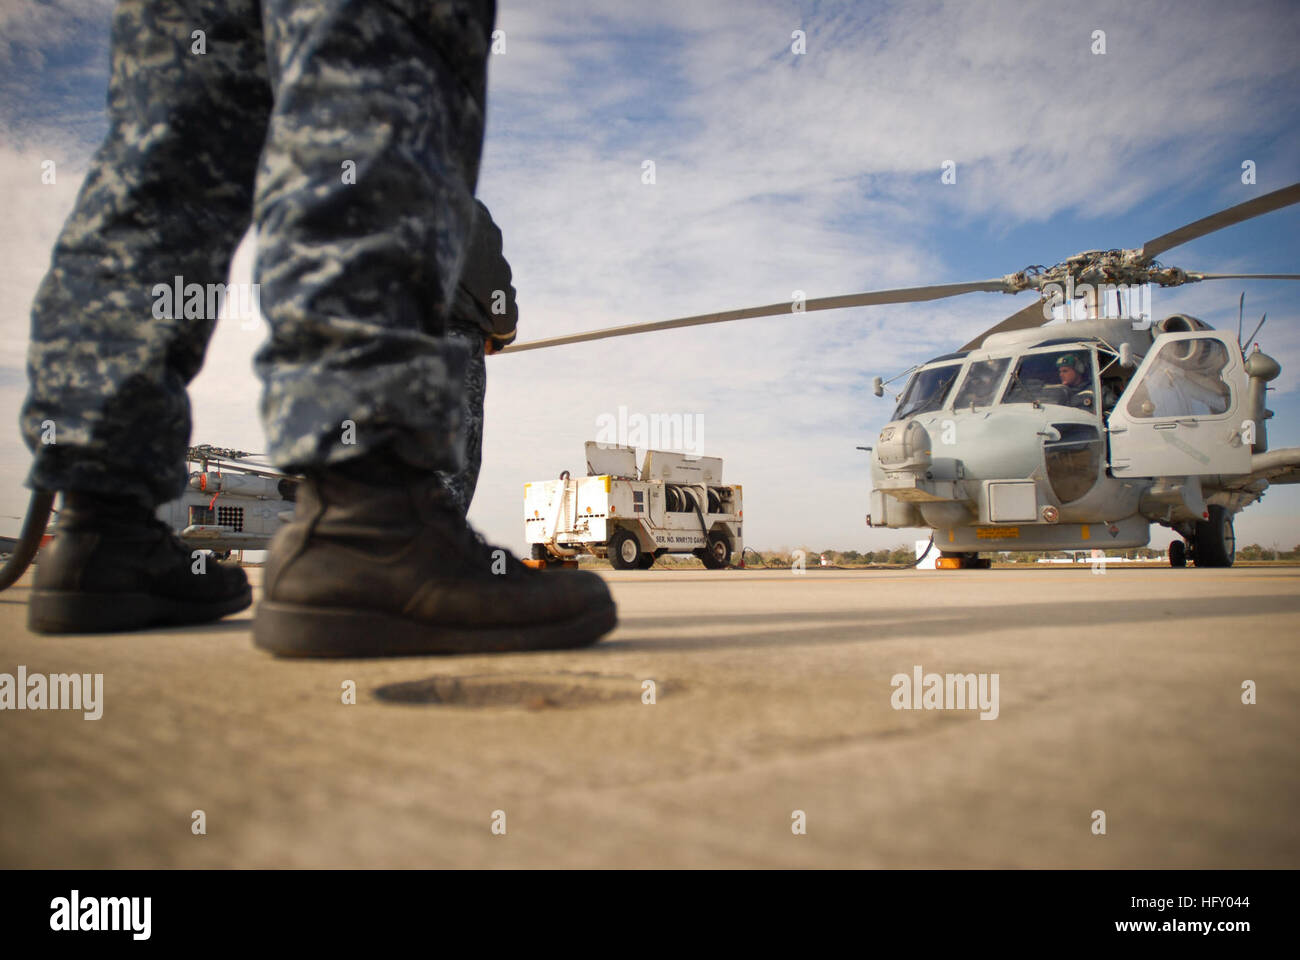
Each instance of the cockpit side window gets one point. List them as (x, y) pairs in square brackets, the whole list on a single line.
[(1061, 377), (927, 390), (1185, 379), (981, 383)]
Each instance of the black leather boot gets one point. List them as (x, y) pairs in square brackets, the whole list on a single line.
[(114, 566), (372, 567)]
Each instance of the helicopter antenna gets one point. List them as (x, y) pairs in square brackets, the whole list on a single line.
[(1257, 329), (1241, 310)]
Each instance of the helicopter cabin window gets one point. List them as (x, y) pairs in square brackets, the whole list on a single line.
[(201, 516), (1061, 377), (1073, 460), (927, 390), (232, 517), (1185, 379), (981, 383)]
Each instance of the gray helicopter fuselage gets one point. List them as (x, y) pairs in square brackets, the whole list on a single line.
[(1042, 439), (225, 509)]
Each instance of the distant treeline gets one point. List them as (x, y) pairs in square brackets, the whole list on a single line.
[(904, 555)]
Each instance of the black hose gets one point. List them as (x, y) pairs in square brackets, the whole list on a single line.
[(29, 540), (704, 527), (928, 547)]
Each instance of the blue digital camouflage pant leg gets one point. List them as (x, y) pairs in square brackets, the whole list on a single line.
[(364, 206), (168, 195), (461, 483), (368, 116)]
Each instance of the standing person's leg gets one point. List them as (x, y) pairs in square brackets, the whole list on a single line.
[(107, 416), (364, 207), (461, 483), (364, 203)]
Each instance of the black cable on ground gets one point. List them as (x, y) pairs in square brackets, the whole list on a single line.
[(928, 547), (29, 540)]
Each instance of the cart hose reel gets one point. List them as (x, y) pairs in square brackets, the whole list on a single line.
[(29, 540), (679, 499), (687, 501)]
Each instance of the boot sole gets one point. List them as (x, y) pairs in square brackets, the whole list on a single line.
[(292, 630), (64, 611)]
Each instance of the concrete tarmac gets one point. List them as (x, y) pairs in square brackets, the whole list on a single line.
[(1120, 693)]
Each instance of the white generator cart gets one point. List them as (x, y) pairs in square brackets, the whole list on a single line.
[(676, 504)]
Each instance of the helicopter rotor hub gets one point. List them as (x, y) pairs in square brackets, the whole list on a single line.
[(1100, 268)]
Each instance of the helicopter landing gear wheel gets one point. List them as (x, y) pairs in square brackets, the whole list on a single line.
[(624, 551), (717, 554), (646, 561), (1216, 540), (1177, 554)]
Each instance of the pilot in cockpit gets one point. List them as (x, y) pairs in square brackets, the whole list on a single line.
[(1076, 384)]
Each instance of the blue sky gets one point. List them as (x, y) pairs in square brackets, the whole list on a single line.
[(774, 173)]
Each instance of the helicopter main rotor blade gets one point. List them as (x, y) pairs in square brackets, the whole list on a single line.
[(1030, 316), (1242, 276), (1224, 218), (873, 298)]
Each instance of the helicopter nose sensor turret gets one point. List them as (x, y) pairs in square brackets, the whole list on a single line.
[(905, 446)]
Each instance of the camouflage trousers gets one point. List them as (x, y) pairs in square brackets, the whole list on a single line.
[(461, 483), (349, 133)]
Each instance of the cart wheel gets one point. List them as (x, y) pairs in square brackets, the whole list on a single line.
[(540, 552), (646, 562), (624, 551), (718, 553), (1177, 553)]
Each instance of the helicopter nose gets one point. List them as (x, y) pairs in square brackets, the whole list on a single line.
[(905, 447)]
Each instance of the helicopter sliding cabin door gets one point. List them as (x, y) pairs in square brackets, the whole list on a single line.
[(1184, 410)]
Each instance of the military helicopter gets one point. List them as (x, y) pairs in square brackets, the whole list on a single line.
[(233, 501), (1075, 436)]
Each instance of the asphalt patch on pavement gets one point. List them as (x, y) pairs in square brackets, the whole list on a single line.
[(523, 691)]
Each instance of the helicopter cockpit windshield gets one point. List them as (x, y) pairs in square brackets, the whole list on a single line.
[(979, 389), (927, 390), (1062, 377)]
